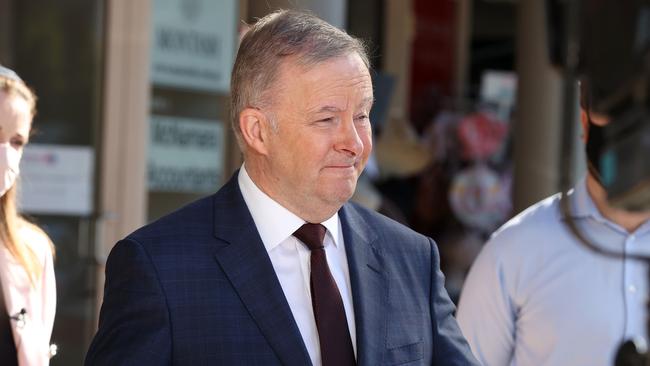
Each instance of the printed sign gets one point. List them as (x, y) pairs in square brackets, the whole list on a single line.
[(193, 44), (56, 180), (185, 155)]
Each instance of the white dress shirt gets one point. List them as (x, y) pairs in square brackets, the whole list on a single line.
[(535, 296), (291, 260)]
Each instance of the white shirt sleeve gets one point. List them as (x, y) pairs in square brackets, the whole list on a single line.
[(485, 312)]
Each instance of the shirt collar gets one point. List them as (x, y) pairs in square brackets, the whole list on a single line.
[(273, 221), (332, 226), (582, 205)]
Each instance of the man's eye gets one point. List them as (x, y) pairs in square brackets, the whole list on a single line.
[(328, 119), (17, 143), (362, 117)]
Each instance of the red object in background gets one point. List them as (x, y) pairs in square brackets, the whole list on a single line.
[(481, 135), (432, 55)]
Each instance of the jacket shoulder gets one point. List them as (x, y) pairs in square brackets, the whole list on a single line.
[(195, 217), (391, 235)]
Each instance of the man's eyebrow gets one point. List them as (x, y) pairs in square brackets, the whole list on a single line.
[(328, 108), (367, 102), (331, 108)]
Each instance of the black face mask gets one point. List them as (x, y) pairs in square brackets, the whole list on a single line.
[(594, 149)]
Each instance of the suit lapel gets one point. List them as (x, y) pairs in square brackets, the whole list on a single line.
[(369, 286), (246, 263)]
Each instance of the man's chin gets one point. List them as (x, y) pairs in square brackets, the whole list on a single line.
[(342, 194)]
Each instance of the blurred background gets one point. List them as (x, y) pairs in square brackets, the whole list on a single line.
[(133, 120)]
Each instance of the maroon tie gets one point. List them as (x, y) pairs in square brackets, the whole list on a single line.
[(335, 343)]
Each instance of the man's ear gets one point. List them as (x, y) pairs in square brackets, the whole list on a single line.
[(254, 126), (587, 119)]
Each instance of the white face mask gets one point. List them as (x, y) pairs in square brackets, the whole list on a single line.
[(9, 167)]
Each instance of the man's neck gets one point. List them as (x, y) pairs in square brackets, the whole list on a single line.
[(628, 220), (309, 210)]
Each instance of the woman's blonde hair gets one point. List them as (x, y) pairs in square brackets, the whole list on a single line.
[(16, 87), (11, 223)]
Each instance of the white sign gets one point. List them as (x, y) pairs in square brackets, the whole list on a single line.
[(193, 43), (499, 88), (185, 154), (57, 180)]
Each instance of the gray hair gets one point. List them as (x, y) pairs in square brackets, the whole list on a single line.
[(274, 38)]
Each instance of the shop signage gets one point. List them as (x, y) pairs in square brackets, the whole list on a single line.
[(185, 154), (193, 44), (56, 180)]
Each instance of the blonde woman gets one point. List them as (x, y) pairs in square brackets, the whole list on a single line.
[(28, 296)]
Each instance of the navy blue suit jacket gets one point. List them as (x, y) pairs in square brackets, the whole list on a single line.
[(197, 287)]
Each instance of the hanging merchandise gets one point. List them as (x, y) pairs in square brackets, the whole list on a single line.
[(480, 198), (481, 135)]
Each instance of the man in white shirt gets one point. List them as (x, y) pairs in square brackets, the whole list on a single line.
[(536, 296), (277, 268)]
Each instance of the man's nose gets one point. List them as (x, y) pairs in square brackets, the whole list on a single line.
[(349, 140)]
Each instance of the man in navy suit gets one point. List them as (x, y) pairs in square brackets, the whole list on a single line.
[(277, 268)]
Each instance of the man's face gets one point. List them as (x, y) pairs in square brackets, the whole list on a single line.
[(322, 138)]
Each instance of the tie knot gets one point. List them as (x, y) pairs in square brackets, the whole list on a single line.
[(312, 235)]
